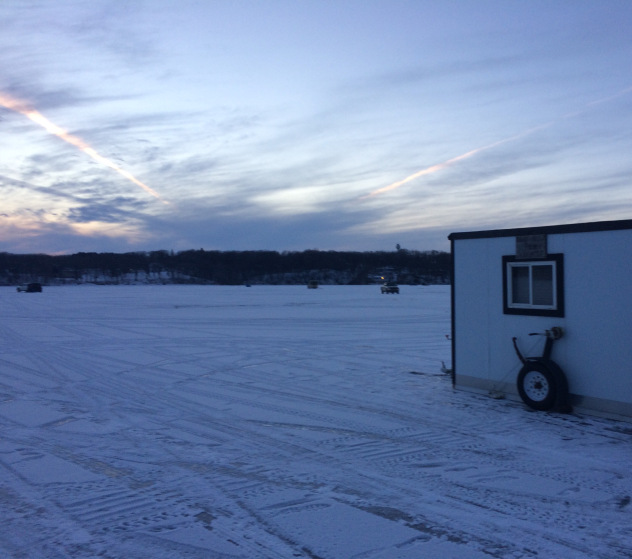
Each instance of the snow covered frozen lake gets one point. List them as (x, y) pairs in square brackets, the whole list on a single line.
[(281, 422)]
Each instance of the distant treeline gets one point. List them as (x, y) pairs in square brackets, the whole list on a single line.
[(228, 267)]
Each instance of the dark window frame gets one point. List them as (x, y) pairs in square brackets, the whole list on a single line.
[(558, 282)]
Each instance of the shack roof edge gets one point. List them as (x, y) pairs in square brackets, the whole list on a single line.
[(545, 229)]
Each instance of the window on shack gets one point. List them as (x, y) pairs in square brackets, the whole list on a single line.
[(533, 287)]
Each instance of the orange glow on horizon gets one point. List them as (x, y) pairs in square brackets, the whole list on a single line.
[(19, 228)]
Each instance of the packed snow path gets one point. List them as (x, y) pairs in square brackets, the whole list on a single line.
[(273, 422)]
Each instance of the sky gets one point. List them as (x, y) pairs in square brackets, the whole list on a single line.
[(131, 125)]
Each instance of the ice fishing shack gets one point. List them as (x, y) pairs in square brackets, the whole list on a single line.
[(544, 314)]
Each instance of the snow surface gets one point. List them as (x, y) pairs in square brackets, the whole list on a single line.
[(234, 422)]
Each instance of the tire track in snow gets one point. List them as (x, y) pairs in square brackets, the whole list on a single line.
[(377, 450), (253, 439)]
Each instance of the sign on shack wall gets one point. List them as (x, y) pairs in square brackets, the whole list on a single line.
[(531, 246)]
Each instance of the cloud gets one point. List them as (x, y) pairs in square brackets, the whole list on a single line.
[(116, 211), (271, 140)]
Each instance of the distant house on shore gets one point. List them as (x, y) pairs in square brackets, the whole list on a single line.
[(573, 282)]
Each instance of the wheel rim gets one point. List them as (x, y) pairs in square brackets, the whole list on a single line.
[(536, 386)]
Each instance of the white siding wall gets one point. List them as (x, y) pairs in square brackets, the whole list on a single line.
[(483, 334), (596, 351)]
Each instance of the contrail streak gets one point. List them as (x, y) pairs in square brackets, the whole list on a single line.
[(450, 162), (38, 118)]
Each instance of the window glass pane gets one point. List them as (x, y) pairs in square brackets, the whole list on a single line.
[(534, 287), (542, 285), (520, 285)]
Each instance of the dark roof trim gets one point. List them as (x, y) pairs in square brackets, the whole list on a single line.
[(546, 229)]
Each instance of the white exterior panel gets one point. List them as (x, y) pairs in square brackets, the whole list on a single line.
[(596, 349)]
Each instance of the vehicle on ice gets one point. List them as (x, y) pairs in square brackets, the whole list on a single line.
[(30, 288), (390, 287)]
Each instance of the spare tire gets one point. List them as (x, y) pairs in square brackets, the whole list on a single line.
[(538, 386)]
